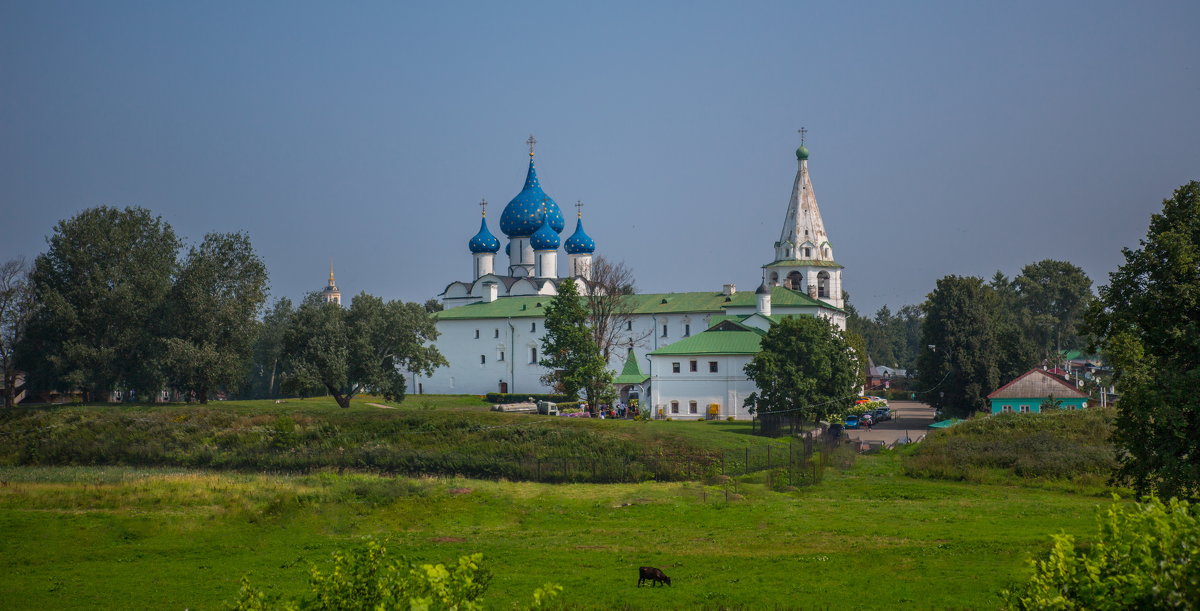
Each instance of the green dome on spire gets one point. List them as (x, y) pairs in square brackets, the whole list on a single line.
[(801, 153)]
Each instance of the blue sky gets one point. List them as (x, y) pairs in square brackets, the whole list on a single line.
[(946, 138)]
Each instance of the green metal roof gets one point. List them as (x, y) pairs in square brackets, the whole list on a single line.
[(632, 372), (649, 303), (715, 342)]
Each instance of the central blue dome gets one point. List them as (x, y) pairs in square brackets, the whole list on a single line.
[(484, 241), (579, 242), (544, 238), (523, 215)]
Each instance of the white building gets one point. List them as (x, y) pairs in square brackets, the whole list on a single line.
[(491, 329)]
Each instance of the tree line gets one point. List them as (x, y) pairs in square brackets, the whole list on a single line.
[(116, 304)]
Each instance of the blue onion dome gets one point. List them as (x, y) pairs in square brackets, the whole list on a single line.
[(544, 238), (484, 241), (522, 216), (580, 242)]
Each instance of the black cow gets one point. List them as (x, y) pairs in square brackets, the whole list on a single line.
[(652, 574)]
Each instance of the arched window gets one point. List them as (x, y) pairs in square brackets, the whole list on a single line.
[(794, 281), (774, 278), (674, 407), (823, 284), (692, 407)]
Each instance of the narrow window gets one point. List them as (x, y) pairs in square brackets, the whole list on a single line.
[(533, 355), (692, 366), (674, 407), (501, 358), (496, 333), (629, 325), (420, 388), (687, 330), (664, 330), (674, 367), (476, 333), (692, 407), (483, 359), (807, 253), (712, 366), (533, 327)]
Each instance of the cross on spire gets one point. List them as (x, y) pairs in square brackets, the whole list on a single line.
[(531, 141), (483, 207), (803, 132), (578, 209)]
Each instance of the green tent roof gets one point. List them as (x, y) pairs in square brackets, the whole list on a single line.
[(631, 373)]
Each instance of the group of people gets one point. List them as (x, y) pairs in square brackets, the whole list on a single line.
[(619, 410)]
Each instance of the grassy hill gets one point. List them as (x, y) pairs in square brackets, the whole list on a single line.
[(450, 435), (1058, 448)]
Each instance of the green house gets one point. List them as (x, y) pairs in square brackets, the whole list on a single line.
[(1033, 388)]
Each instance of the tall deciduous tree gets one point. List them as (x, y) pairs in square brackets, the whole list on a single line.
[(569, 348), (16, 305), (1148, 323), (961, 369), (610, 305), (100, 291), (1055, 294), (212, 312), (366, 348), (264, 375), (806, 371)]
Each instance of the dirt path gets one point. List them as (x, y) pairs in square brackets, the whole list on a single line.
[(380, 405)]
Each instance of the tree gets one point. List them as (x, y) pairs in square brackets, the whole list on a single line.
[(960, 368), (806, 371), (1055, 294), (1141, 557), (610, 305), (1147, 323), (1017, 349), (212, 310), (367, 347), (16, 305), (100, 290), (263, 378), (569, 349)]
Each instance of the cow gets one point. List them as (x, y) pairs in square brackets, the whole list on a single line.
[(649, 573)]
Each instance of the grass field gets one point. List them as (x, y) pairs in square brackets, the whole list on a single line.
[(116, 507), (114, 537)]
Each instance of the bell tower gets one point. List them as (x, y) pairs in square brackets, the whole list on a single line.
[(803, 254)]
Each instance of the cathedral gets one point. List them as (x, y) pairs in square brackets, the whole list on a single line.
[(682, 354)]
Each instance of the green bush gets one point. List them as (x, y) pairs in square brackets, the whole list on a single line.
[(1144, 556), (495, 397), (366, 578), (1059, 445)]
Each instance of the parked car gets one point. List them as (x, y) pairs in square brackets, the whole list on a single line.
[(880, 414), (851, 422)]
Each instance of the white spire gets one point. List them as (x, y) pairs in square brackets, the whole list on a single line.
[(803, 236)]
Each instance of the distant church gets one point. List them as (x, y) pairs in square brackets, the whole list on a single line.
[(695, 345)]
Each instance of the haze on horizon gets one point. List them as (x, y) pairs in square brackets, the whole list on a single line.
[(945, 138)]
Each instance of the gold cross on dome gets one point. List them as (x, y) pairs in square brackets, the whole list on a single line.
[(483, 207), (578, 209), (531, 141)]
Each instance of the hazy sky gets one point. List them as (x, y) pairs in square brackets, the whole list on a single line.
[(945, 138)]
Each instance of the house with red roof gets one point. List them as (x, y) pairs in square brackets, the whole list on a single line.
[(1030, 390)]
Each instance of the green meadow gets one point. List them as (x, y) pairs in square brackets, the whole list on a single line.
[(87, 536)]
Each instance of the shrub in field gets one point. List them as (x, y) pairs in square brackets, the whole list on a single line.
[(1064, 445), (366, 578), (1145, 556)]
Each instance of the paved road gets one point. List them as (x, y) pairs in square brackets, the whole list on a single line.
[(909, 418)]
